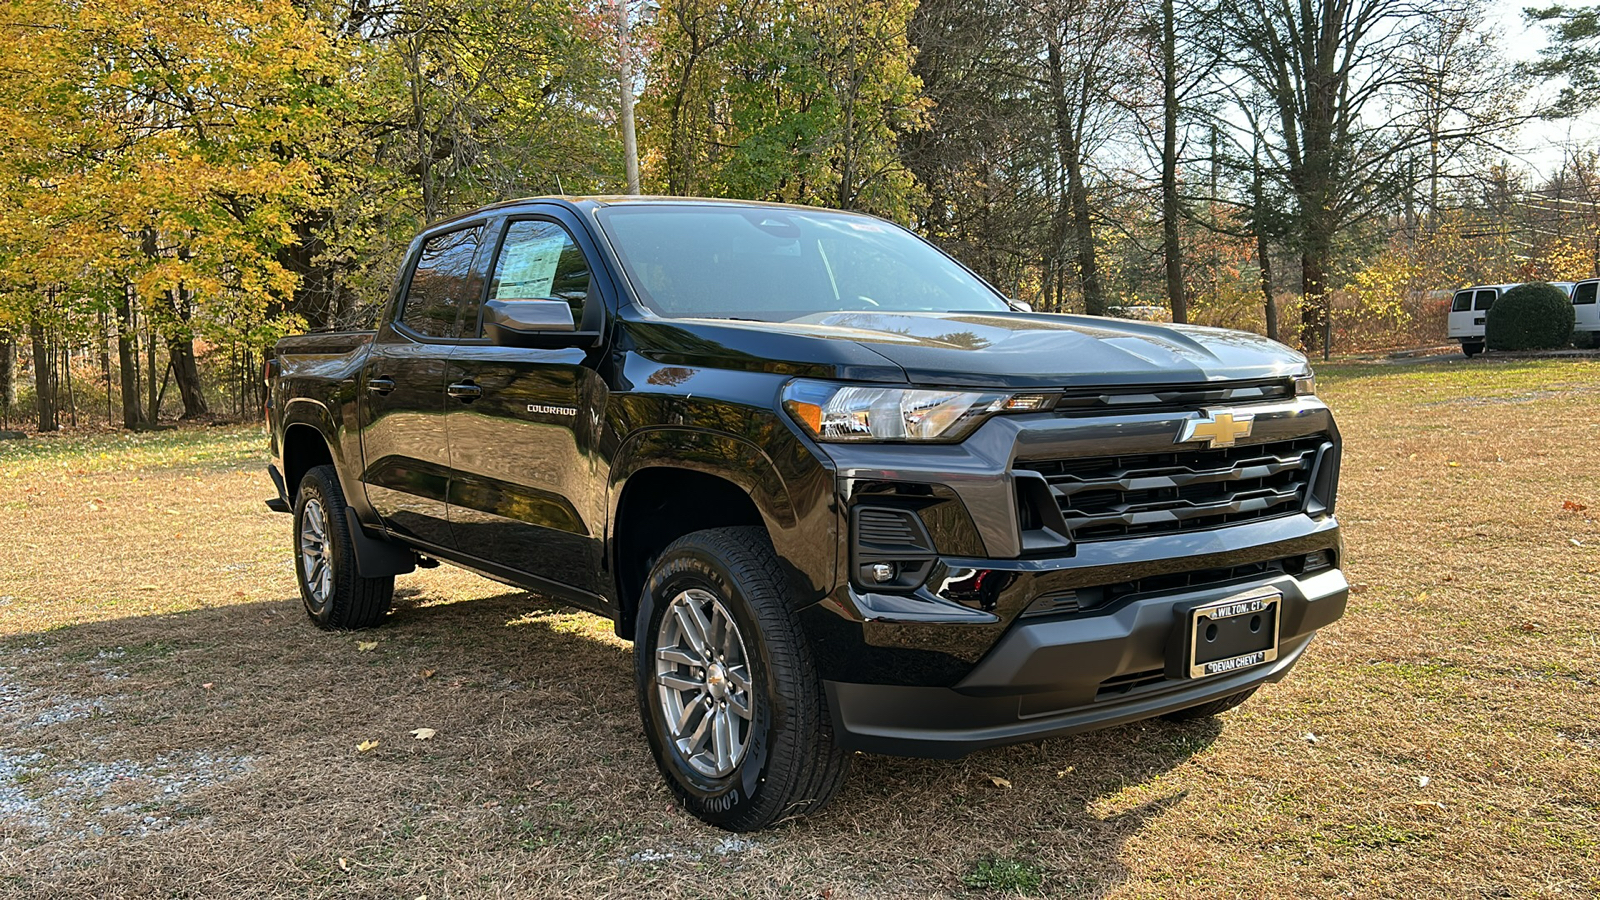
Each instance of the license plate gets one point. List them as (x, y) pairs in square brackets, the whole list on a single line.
[(1233, 633)]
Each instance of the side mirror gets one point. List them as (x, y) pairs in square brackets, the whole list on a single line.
[(534, 323), (1019, 305)]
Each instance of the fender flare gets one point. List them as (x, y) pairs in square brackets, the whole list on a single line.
[(729, 457)]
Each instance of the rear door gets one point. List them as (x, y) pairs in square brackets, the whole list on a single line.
[(1482, 300), (527, 482), (402, 408), (1585, 309), (1460, 322)]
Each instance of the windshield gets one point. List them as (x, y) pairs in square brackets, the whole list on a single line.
[(777, 265)]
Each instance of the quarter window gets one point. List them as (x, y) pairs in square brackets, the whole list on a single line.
[(444, 281)]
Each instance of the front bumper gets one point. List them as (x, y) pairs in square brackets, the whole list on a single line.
[(1049, 678)]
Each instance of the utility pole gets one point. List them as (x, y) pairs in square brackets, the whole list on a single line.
[(630, 143)]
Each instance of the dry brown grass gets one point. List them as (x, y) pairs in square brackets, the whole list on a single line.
[(154, 664)]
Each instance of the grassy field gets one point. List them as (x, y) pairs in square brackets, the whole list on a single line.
[(170, 725)]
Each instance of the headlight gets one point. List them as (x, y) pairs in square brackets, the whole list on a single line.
[(1305, 385), (840, 412)]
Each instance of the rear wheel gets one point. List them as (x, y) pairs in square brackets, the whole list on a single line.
[(334, 593), (731, 701), (1207, 710), (1471, 348)]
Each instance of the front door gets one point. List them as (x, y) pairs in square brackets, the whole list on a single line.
[(527, 489), (402, 408)]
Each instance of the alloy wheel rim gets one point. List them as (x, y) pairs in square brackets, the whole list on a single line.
[(314, 563), (703, 683)]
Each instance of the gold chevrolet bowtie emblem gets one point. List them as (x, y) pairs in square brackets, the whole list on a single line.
[(1218, 429)]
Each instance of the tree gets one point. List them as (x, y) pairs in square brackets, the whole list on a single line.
[(1572, 55), (784, 100), (1343, 124)]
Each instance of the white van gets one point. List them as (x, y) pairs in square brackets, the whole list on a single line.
[(1471, 306), (1585, 309)]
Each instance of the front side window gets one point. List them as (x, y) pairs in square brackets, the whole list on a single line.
[(444, 282), (1584, 294), (1463, 302), (779, 265), (539, 260)]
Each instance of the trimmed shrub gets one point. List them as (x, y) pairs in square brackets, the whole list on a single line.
[(1533, 316)]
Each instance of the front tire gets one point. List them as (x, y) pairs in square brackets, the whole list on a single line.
[(730, 697), (335, 595)]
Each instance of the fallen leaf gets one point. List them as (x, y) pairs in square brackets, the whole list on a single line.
[(1429, 806), (428, 673), (1576, 542), (365, 746), (1454, 465), (343, 866), (208, 685), (1422, 782), (1311, 738), (1000, 782), (423, 734), (1572, 506), (1062, 773), (1532, 626), (364, 646), (147, 587)]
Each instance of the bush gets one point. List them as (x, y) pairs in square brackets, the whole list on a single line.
[(1534, 316)]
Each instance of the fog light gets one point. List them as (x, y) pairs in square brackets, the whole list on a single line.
[(882, 572)]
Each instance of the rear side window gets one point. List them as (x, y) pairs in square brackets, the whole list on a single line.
[(1485, 300), (1585, 293), (540, 261), (1463, 302), (444, 281)]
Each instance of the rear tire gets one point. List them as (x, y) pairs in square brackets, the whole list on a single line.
[(1207, 710), (1471, 348), (335, 595), (729, 693)]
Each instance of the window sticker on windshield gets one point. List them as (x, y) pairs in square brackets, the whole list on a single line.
[(529, 269)]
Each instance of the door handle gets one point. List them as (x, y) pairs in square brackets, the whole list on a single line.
[(465, 391), (381, 385)]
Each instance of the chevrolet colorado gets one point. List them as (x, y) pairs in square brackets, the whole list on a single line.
[(840, 493)]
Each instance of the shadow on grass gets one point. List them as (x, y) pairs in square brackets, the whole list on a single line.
[(537, 747)]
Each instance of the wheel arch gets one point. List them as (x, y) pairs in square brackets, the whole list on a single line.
[(710, 480)]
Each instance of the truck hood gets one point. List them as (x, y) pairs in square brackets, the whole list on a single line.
[(1032, 350)]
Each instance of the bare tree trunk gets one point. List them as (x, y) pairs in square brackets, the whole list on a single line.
[(1263, 253), (8, 383), (44, 388), (66, 379), (180, 350), (1170, 245), (630, 145), (128, 360), (1071, 154), (153, 415)]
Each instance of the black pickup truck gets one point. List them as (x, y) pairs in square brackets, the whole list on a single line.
[(840, 493)]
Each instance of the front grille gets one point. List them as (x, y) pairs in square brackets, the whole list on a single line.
[(1106, 497)]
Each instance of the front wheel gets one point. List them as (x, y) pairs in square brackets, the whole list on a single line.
[(334, 593), (730, 697)]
